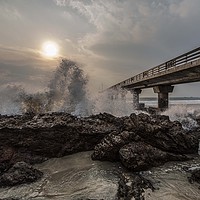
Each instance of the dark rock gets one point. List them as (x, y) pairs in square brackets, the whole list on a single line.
[(10, 198), (20, 173), (35, 138), (108, 148), (132, 186), (168, 136), (88, 199), (139, 156), (195, 177)]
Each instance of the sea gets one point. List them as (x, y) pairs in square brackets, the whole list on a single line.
[(77, 177)]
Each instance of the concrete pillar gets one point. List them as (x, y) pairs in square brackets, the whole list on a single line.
[(136, 92), (163, 95)]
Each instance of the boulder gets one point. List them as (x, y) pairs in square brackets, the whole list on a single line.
[(19, 173), (108, 148), (10, 198), (35, 138), (160, 132), (195, 176), (132, 186), (139, 156)]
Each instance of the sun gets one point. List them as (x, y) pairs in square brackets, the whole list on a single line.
[(50, 49)]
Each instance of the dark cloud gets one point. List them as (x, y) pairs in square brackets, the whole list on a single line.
[(113, 39)]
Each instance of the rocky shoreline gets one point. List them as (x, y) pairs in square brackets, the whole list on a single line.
[(139, 142)]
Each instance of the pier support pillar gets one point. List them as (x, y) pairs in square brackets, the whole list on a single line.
[(135, 93), (163, 95)]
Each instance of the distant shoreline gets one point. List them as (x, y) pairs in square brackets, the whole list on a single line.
[(171, 98)]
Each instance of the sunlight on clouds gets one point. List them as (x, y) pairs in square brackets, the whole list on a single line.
[(50, 49)]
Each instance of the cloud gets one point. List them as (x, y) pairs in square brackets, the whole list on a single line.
[(26, 67), (9, 12), (113, 39), (131, 36), (185, 9), (148, 24)]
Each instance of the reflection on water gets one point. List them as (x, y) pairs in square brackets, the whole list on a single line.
[(77, 177), (154, 103), (70, 178), (172, 183)]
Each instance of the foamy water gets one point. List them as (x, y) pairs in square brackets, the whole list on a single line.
[(77, 177), (171, 181), (70, 178)]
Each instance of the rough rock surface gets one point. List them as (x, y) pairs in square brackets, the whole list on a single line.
[(139, 156), (34, 139), (145, 141), (132, 186), (195, 177), (10, 199), (108, 148), (20, 173)]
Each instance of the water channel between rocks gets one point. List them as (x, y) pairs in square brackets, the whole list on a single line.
[(77, 177)]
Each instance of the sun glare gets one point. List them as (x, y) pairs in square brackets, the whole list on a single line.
[(50, 49)]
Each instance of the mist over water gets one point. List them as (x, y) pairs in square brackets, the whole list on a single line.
[(77, 176), (68, 89), (68, 92), (10, 100), (185, 114)]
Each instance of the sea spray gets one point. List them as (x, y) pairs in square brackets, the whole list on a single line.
[(10, 99), (118, 106), (67, 89), (185, 114), (68, 92)]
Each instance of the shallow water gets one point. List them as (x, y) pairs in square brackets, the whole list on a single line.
[(78, 177), (71, 177), (171, 181)]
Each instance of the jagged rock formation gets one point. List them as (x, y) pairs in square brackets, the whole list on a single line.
[(36, 138), (137, 141), (19, 173), (139, 156), (132, 186), (10, 199), (195, 176), (146, 141)]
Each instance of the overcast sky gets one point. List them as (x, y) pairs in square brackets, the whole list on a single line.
[(112, 39)]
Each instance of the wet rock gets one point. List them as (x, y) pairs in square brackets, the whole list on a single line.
[(20, 173), (139, 156), (88, 199), (161, 133), (195, 177), (146, 141), (35, 138), (10, 198), (132, 186), (108, 148)]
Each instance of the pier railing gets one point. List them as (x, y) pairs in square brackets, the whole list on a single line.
[(164, 67)]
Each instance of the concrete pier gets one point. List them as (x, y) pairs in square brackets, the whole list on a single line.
[(163, 95), (184, 68)]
